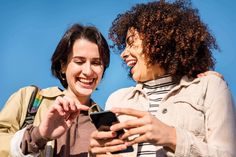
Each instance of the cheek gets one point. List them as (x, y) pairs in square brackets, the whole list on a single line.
[(142, 66), (139, 51), (73, 70), (99, 72)]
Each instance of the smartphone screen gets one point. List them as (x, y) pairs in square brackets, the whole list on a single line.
[(104, 120)]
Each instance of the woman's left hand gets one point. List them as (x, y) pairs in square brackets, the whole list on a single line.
[(149, 128)]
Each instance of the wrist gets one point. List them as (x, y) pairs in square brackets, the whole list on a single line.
[(171, 145), (41, 134), (38, 139)]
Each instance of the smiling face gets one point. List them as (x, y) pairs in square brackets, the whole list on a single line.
[(134, 57), (84, 68)]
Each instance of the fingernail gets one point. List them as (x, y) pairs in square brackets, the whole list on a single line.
[(114, 134), (128, 144), (111, 128)]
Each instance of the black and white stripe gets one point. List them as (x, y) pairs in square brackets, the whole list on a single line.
[(155, 90)]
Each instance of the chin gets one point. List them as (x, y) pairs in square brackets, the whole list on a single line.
[(85, 91), (132, 76), (138, 78), (135, 79)]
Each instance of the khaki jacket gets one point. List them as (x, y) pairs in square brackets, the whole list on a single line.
[(14, 112), (202, 111)]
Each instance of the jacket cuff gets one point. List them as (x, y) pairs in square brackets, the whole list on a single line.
[(38, 139), (32, 141), (16, 145), (183, 143)]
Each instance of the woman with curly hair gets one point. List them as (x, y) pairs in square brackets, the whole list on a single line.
[(170, 112)]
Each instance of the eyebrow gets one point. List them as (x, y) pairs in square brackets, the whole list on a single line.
[(80, 57)]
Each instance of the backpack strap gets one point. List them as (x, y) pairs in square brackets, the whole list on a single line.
[(34, 103)]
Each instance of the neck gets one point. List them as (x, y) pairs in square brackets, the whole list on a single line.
[(157, 71), (83, 100), (154, 72)]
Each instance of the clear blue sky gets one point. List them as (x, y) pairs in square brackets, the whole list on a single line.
[(30, 31)]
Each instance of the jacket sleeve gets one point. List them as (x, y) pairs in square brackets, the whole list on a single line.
[(220, 126), (12, 116), (15, 145), (27, 142)]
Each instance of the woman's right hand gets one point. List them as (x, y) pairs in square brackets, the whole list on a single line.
[(60, 117), (103, 143)]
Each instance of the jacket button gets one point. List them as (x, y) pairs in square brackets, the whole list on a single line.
[(164, 111)]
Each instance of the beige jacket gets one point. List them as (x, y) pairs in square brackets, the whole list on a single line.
[(14, 112), (202, 111)]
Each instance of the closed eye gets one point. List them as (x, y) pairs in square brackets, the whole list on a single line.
[(130, 40), (96, 62)]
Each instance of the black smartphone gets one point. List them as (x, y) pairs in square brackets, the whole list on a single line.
[(104, 120)]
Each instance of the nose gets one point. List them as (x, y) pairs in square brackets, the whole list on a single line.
[(125, 54), (87, 69)]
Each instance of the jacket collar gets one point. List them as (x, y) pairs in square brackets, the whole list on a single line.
[(137, 89), (51, 92), (184, 82)]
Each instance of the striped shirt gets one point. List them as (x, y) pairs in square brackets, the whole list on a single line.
[(155, 90)]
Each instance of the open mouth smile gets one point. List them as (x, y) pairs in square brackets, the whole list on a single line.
[(86, 81), (131, 63)]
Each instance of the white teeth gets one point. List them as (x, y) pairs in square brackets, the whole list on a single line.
[(86, 80), (131, 63)]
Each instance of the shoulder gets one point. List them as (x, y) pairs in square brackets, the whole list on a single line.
[(216, 90), (51, 92), (121, 92), (208, 86), (24, 91), (209, 81), (119, 95), (214, 82), (45, 92)]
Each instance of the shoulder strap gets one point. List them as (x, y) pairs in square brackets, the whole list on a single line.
[(33, 106)]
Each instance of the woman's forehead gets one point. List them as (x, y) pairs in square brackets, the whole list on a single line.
[(132, 32)]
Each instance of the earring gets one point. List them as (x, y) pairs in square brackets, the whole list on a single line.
[(62, 76)]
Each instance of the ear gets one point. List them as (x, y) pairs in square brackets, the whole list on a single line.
[(63, 67)]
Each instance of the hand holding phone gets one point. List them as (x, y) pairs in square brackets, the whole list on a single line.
[(104, 120)]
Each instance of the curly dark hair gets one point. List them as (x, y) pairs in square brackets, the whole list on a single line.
[(65, 46), (173, 36)]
